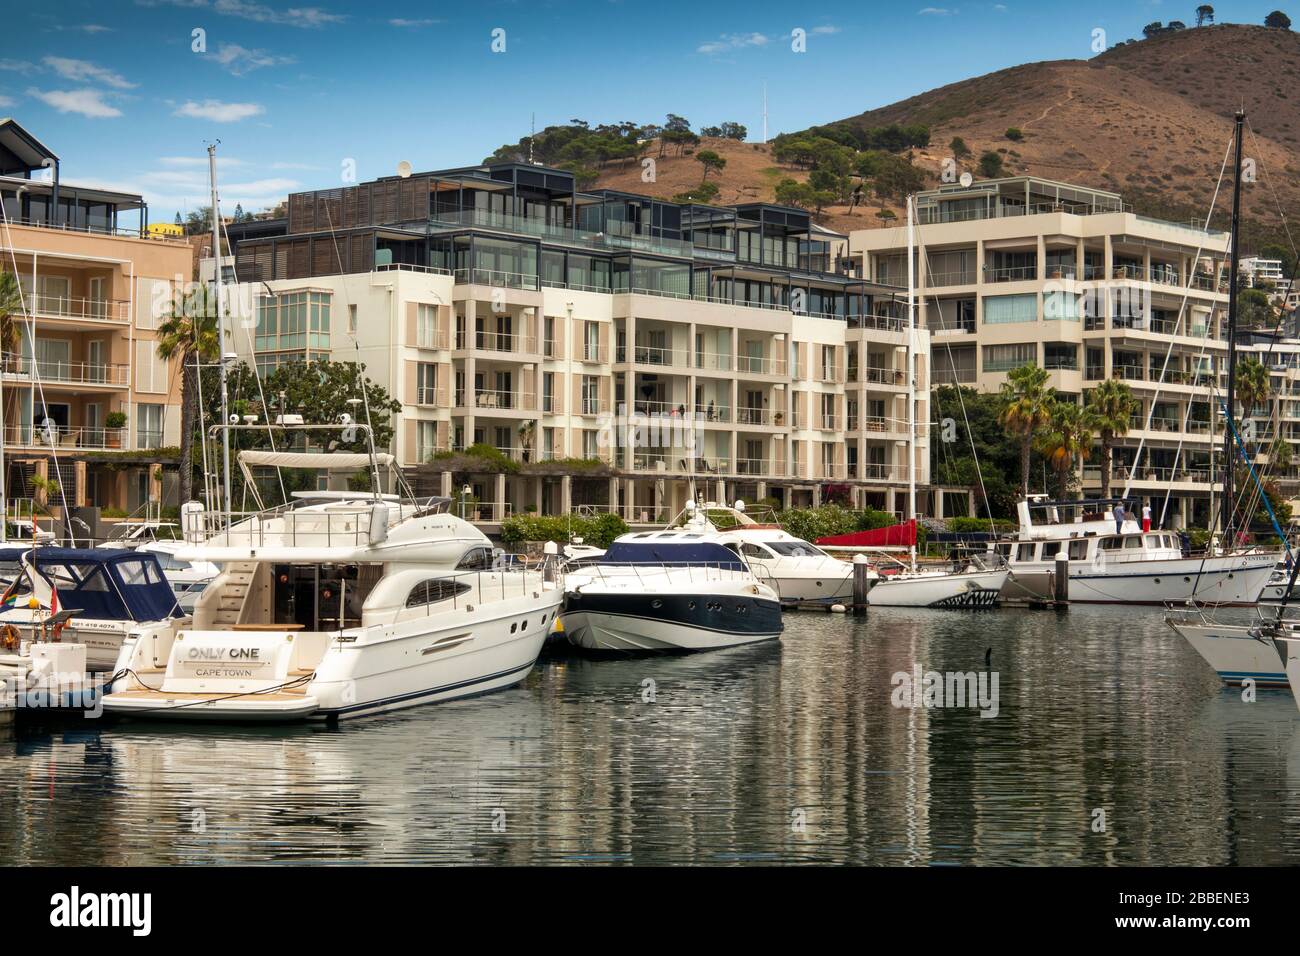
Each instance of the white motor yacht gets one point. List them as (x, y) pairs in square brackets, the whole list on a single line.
[(676, 590), (1125, 565), (1237, 652), (338, 605), (801, 572)]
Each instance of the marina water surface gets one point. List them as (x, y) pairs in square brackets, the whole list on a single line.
[(1110, 742)]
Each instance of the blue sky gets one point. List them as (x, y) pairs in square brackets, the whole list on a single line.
[(295, 91)]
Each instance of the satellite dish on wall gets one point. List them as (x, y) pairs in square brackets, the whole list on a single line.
[(966, 179), (404, 169)]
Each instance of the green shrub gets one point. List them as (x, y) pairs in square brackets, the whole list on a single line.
[(599, 531), (966, 524), (1014, 133)]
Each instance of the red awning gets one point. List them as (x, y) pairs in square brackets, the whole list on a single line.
[(895, 536)]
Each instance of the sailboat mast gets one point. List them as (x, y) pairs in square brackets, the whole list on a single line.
[(911, 377), (221, 328), (1228, 456)]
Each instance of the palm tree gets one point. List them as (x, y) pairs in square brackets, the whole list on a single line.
[(11, 308), (1026, 410), (1252, 386), (1110, 407), (189, 334), (1066, 442)]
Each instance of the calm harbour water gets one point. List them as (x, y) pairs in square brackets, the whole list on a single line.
[(785, 753)]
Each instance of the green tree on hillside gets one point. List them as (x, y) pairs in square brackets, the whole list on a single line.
[(1278, 20), (711, 162), (990, 166), (1204, 14)]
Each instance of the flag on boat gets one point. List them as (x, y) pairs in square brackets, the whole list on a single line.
[(895, 536)]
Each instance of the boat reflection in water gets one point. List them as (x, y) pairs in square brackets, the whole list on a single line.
[(789, 751)]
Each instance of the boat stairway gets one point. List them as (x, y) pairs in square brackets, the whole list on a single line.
[(233, 587)]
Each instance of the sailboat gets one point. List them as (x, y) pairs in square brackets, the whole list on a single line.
[(977, 585), (1262, 652)]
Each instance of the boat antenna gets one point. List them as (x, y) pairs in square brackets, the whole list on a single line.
[(1226, 512), (221, 324)]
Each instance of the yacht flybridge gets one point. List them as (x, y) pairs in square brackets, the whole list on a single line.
[(1125, 565), (337, 605)]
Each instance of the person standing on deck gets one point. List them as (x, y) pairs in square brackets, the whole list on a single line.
[(1146, 516), (1119, 516)]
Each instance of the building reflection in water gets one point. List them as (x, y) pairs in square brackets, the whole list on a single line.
[(781, 753)]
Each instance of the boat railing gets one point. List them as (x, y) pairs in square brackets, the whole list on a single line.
[(348, 525), (702, 571)]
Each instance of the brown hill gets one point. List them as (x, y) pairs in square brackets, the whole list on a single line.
[(1151, 120)]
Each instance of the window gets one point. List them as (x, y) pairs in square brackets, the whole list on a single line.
[(435, 590), (1025, 552), (426, 383), (150, 370), (1060, 305), (1078, 550), (591, 342), (476, 559), (426, 440), (138, 572), (1060, 355), (352, 319), (1001, 309), (148, 426), (426, 326), (1003, 358), (796, 549)]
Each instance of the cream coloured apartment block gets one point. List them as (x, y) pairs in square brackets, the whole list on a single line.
[(1024, 270)]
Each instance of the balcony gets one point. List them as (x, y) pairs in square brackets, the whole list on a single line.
[(1012, 273), (69, 437), (484, 341), (498, 279), (713, 412), (496, 400), (883, 375), (24, 369), (757, 365), (657, 355), (108, 311)]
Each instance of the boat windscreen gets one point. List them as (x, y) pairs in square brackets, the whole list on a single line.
[(703, 553)]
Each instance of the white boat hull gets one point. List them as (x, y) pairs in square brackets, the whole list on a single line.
[(618, 632), (470, 652), (1233, 580), (1236, 652), (966, 589)]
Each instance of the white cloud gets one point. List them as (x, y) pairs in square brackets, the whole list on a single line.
[(81, 71), (935, 12), (219, 112), (732, 41), (86, 102), (825, 30), (91, 28), (305, 17), (240, 60), (18, 66), (6, 101), (402, 22)]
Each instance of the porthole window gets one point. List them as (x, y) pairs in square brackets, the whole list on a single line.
[(656, 604), (514, 627)]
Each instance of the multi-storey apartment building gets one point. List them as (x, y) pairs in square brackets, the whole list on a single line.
[(86, 355), (590, 333), (1020, 270)]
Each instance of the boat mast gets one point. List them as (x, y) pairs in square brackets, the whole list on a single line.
[(911, 379), (221, 326), (1227, 515)]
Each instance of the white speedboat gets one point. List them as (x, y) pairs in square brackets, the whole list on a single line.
[(90, 596), (339, 605), (1124, 566), (801, 572), (677, 590), (977, 585)]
